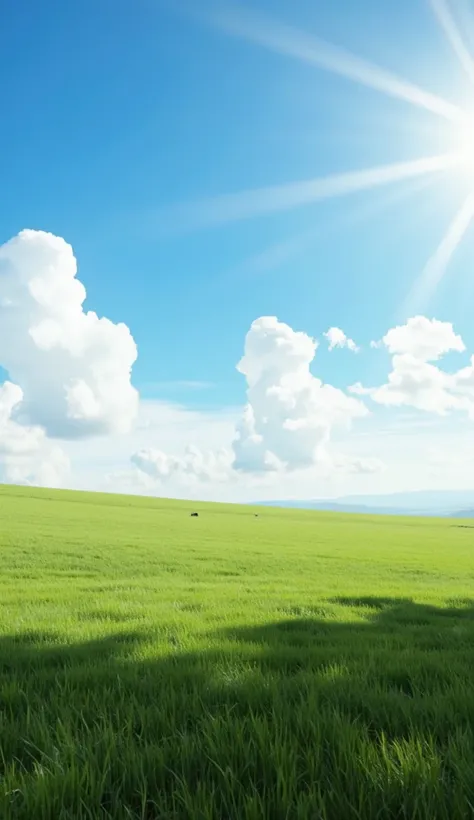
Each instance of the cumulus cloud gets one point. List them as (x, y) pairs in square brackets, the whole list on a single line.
[(290, 413), (193, 465), (290, 416), (337, 338), (418, 384), (26, 455), (423, 339), (73, 367), (414, 380), (286, 424), (332, 462)]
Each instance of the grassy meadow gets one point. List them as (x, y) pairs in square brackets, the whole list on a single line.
[(293, 666)]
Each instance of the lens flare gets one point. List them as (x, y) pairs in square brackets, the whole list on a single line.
[(464, 145)]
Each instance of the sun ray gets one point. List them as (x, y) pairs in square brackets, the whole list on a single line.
[(279, 253), (433, 272), (451, 30), (275, 36), (277, 198)]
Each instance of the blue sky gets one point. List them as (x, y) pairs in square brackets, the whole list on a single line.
[(120, 116)]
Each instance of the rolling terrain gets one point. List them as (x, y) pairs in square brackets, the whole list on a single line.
[(438, 503), (288, 666)]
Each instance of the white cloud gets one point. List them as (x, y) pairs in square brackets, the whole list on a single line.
[(290, 413), (286, 424), (26, 455), (416, 382), (337, 338), (424, 339), (359, 466), (108, 463), (15, 439), (358, 389), (73, 367), (72, 380), (193, 465), (382, 453)]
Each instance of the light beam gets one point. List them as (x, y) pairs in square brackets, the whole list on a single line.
[(275, 255), (436, 266), (276, 198), (283, 39), (451, 30)]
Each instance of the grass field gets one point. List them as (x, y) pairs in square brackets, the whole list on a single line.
[(297, 665)]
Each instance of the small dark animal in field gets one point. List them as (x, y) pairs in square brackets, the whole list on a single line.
[(194, 515), (256, 515)]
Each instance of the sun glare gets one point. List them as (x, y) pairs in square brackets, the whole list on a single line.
[(464, 145), (455, 163)]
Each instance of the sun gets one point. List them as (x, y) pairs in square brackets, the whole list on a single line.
[(452, 137)]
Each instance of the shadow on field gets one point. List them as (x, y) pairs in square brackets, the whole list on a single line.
[(301, 718)]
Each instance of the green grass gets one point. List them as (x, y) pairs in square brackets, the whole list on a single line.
[(290, 666)]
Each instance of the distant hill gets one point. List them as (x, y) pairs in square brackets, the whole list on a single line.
[(463, 514), (455, 503), (335, 506)]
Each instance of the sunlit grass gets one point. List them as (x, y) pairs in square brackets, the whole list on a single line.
[(294, 665)]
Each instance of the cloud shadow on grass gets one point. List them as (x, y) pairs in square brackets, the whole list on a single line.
[(300, 718)]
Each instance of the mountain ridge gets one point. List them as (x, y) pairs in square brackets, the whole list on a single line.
[(443, 503)]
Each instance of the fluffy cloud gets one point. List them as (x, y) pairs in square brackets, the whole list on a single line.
[(290, 416), (416, 382), (424, 339), (337, 338), (194, 465), (72, 366), (286, 424), (290, 413), (26, 455)]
